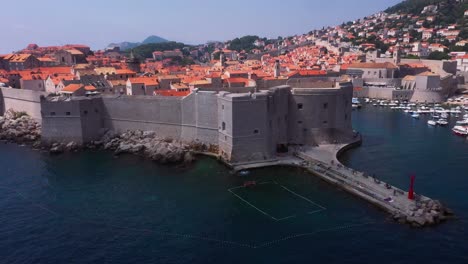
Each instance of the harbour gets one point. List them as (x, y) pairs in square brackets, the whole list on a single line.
[(129, 205)]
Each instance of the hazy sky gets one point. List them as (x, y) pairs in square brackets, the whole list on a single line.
[(100, 22)]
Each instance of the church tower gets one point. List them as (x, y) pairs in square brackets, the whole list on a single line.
[(277, 69), (397, 55), (222, 59), (133, 63)]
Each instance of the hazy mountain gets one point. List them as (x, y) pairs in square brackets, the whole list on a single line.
[(130, 45)]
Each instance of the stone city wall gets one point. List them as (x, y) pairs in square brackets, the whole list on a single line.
[(21, 100)]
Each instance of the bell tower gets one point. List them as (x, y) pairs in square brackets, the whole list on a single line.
[(133, 63), (277, 69), (397, 55)]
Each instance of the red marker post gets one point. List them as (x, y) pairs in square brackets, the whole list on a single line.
[(411, 189)]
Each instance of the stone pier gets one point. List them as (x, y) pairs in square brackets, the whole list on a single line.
[(322, 161)]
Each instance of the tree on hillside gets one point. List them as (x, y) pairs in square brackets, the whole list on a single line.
[(437, 55), (146, 50), (244, 43)]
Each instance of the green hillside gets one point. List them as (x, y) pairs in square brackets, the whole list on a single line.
[(449, 11)]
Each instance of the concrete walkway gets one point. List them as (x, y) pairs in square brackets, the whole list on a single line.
[(323, 162)]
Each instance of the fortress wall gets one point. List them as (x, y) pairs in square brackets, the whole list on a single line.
[(62, 122), (199, 118), (248, 117), (92, 122), (278, 111), (325, 116), (421, 96), (21, 100), (380, 93), (159, 114), (246, 135), (402, 95), (396, 82)]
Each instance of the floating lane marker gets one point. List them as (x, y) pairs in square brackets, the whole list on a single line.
[(195, 237)]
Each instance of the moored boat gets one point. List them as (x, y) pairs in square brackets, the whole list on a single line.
[(432, 122), (460, 130), (463, 122), (442, 122)]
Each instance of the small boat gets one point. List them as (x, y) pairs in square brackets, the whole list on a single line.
[(442, 122), (463, 122), (432, 122), (244, 172), (415, 115), (356, 106), (460, 130), (444, 115)]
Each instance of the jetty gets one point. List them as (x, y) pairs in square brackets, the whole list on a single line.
[(322, 161)]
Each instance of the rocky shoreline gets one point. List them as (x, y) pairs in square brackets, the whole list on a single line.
[(19, 128)]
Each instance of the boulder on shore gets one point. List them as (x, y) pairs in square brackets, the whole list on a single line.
[(19, 127)]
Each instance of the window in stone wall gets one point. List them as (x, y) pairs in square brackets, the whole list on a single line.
[(299, 122), (223, 126), (300, 106), (346, 117), (325, 122), (85, 112), (95, 110), (52, 113), (67, 113), (325, 105), (256, 131)]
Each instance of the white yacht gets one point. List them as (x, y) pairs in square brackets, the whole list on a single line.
[(432, 122), (415, 115), (442, 122), (460, 130), (463, 122)]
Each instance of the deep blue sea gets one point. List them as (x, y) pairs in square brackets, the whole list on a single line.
[(91, 207)]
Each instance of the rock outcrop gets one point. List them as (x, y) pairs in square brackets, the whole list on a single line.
[(149, 145), (19, 127)]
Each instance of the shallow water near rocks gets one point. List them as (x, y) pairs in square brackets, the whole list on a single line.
[(91, 207)]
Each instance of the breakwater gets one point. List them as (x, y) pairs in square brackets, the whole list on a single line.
[(322, 161), (418, 212)]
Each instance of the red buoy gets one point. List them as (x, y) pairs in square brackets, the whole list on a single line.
[(411, 189)]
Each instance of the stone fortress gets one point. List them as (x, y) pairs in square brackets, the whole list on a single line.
[(246, 127), (247, 124), (310, 119)]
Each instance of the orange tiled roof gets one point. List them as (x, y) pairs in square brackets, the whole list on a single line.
[(144, 80), (171, 93), (373, 65), (72, 88)]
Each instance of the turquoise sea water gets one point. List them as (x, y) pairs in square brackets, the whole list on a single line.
[(93, 208)]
